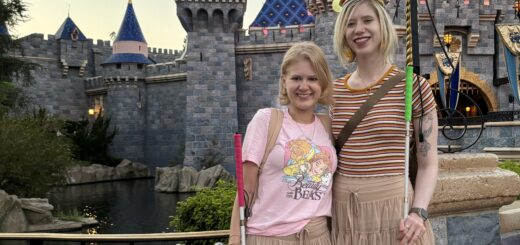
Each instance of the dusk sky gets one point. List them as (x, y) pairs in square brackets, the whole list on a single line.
[(98, 18)]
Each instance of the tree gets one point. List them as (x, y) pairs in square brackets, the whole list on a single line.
[(11, 67)]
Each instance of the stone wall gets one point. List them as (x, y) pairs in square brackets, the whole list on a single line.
[(165, 123)]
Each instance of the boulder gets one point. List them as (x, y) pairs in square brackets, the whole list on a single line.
[(187, 178), (128, 170), (37, 210), (89, 174), (167, 179), (12, 217)]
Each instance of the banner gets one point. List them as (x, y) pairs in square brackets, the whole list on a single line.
[(444, 69), (510, 36)]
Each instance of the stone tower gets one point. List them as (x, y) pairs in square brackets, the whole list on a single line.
[(211, 103), (73, 47), (324, 29), (124, 74)]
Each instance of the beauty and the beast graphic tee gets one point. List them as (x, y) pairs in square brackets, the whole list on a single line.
[(295, 184)]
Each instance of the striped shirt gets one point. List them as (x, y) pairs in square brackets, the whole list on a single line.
[(377, 145)]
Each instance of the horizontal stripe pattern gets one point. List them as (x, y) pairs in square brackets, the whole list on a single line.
[(377, 145)]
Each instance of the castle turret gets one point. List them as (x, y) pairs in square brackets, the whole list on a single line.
[(211, 104), (130, 45), (324, 28), (124, 75), (72, 48)]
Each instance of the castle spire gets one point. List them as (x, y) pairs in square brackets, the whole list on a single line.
[(130, 29), (129, 45), (283, 13), (70, 31)]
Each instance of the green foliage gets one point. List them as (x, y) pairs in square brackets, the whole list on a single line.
[(209, 209), (512, 166), (11, 98), (91, 140), (33, 158), (73, 215), (11, 13)]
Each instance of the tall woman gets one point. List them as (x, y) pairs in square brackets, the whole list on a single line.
[(294, 189), (368, 190)]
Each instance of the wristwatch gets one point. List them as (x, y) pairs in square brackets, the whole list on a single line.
[(423, 213)]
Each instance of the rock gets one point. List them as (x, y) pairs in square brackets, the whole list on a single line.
[(187, 178), (97, 172), (175, 179), (127, 170), (37, 210), (208, 177), (167, 179), (12, 217)]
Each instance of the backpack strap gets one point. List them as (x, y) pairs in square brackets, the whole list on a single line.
[(327, 124), (273, 130)]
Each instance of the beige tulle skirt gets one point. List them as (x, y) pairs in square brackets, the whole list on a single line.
[(316, 232), (368, 211)]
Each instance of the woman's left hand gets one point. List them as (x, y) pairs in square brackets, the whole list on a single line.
[(411, 229)]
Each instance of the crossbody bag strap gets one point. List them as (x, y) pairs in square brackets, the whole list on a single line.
[(364, 109)]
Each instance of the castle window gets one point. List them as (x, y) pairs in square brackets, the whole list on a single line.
[(139, 47), (118, 66), (75, 35), (140, 66)]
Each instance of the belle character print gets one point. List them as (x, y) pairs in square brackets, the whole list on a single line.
[(307, 169)]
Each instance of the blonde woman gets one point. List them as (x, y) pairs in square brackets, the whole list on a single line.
[(294, 196), (368, 185)]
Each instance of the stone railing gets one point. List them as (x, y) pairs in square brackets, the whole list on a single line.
[(469, 192)]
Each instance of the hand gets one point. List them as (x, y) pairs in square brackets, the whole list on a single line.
[(234, 240), (411, 229)]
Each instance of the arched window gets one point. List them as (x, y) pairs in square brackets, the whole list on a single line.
[(202, 19)]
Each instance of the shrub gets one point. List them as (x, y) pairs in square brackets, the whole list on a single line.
[(512, 166), (91, 140), (209, 209), (33, 158)]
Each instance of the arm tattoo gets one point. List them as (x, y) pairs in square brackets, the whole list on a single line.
[(424, 147)]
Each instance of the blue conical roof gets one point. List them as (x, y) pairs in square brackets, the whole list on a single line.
[(283, 13), (130, 29), (67, 29), (3, 29)]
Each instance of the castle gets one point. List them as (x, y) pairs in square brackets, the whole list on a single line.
[(183, 106)]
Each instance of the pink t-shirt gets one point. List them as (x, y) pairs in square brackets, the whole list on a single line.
[(295, 184)]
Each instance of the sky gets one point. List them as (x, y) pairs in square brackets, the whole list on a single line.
[(98, 18)]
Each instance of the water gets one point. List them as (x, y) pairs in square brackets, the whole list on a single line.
[(121, 207)]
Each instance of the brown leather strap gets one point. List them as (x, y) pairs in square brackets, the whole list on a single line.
[(364, 109)]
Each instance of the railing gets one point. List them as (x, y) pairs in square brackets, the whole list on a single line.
[(501, 116), (187, 237)]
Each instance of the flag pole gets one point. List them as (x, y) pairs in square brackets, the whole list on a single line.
[(240, 186)]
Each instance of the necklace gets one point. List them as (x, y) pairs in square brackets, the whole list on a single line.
[(303, 132)]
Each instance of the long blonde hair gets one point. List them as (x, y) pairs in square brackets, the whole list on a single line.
[(312, 53), (388, 34)]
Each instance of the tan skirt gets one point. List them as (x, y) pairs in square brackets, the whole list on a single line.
[(316, 232), (368, 211)]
